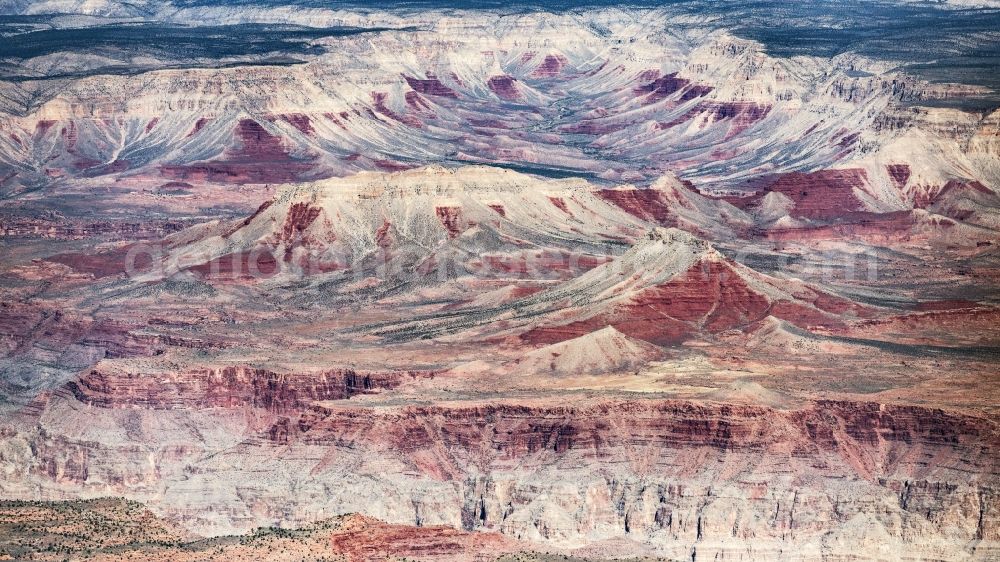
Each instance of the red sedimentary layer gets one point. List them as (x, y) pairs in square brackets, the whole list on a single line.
[(551, 66), (868, 438), (383, 236), (417, 102), (560, 203), (391, 165), (661, 87), (128, 259), (825, 194), (362, 538), (259, 157), (450, 218), (255, 264), (299, 217), (260, 209), (300, 121), (822, 195), (900, 174), (199, 124), (646, 204), (710, 297), (962, 324), (256, 143), (953, 188), (69, 135), (43, 126), (430, 86), (696, 91), (379, 99), (504, 86), (229, 387), (740, 115)]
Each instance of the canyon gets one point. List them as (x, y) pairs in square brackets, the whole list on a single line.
[(494, 283)]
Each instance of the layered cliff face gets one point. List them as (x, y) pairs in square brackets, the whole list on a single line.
[(228, 387), (697, 475), (671, 478)]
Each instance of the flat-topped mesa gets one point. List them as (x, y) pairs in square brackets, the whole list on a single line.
[(339, 223), (435, 180)]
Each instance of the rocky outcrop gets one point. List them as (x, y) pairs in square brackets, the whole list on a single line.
[(62, 228), (228, 387), (504, 86), (650, 476), (868, 437), (686, 477), (826, 194), (398, 222), (671, 286), (604, 351), (364, 538)]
